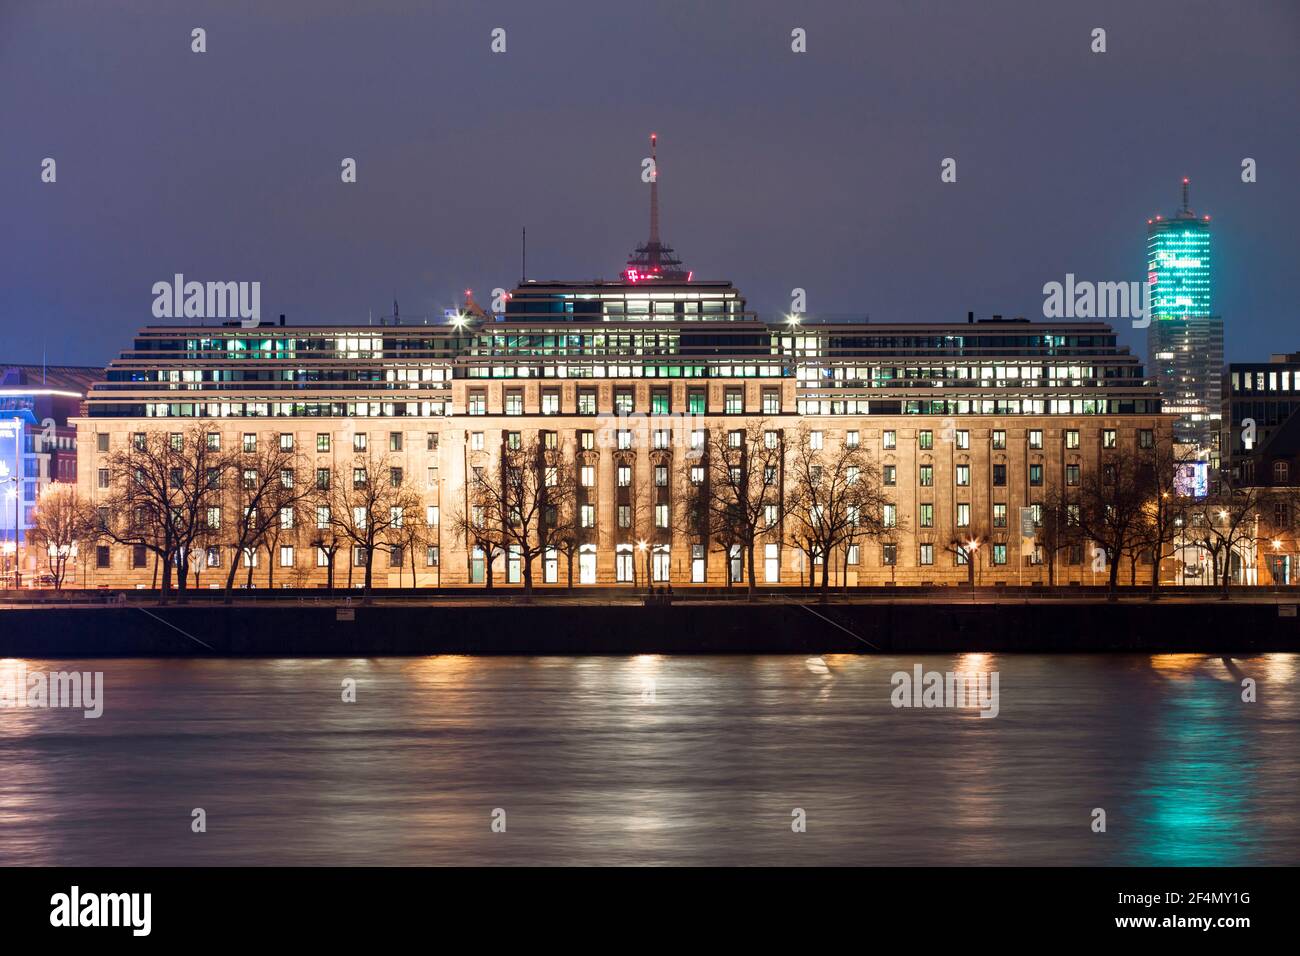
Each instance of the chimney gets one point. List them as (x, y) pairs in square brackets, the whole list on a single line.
[(970, 318), (282, 319)]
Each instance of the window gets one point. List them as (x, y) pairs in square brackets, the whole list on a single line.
[(102, 481), (623, 402), (889, 555), (963, 515), (550, 402), (322, 442), (286, 555), (926, 513), (586, 440), (359, 443), (286, 519), (322, 517), (660, 568), (514, 403), (963, 438), (697, 474), (999, 514), (322, 479), (889, 440), (475, 441), (623, 513), (999, 476), (890, 474), (322, 558), (1035, 475), (815, 441), (1072, 475), (624, 439), (1109, 438), (250, 442), (477, 403), (659, 402), (735, 439), (851, 439), (927, 475), (395, 477), (697, 564), (431, 556), (514, 440), (1146, 438), (889, 516), (771, 563), (854, 556), (771, 439), (432, 516), (927, 554), (396, 556), (1072, 438), (587, 516), (394, 441), (771, 402), (623, 475), (1035, 438), (101, 441), (586, 402), (359, 478), (999, 439), (139, 556), (735, 404), (999, 553), (662, 439), (661, 476), (1281, 472), (963, 475), (431, 441), (101, 556), (176, 440), (138, 441), (926, 439), (587, 476), (359, 557), (286, 441), (624, 564), (661, 516)]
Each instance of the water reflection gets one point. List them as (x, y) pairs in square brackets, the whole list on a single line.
[(655, 759)]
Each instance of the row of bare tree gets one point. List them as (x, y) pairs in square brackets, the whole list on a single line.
[(181, 495)]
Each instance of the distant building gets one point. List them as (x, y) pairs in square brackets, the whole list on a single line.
[(1185, 338), (37, 444)]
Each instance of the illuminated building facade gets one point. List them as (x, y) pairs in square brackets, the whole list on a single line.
[(38, 446), (628, 382), (1185, 338)]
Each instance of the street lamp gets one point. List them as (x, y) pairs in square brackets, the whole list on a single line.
[(641, 546)]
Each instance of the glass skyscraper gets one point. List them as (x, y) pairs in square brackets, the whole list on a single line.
[(1185, 338)]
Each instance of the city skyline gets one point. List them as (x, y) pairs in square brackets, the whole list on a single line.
[(861, 221)]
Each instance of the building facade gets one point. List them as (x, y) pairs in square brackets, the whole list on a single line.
[(629, 383), (38, 447), (1185, 337)]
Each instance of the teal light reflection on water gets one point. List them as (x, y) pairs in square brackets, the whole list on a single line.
[(1192, 808)]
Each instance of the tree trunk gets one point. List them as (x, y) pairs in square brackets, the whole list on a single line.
[(749, 577)]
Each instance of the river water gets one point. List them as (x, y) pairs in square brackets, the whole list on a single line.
[(656, 760)]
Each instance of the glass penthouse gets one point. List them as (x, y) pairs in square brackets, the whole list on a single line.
[(969, 423)]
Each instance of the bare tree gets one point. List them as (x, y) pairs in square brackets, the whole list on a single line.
[(164, 484), (745, 476), (836, 497), (264, 494), (62, 524), (478, 523), (1111, 507), (1164, 512), (1058, 529), (367, 504), (1222, 523)]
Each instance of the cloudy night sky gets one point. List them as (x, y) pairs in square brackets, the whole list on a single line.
[(816, 170)]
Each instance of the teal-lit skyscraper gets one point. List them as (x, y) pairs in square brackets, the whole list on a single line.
[(1178, 263), (1185, 338)]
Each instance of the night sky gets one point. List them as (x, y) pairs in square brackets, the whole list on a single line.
[(817, 170)]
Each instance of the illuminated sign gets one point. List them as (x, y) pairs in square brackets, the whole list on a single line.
[(1193, 480)]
